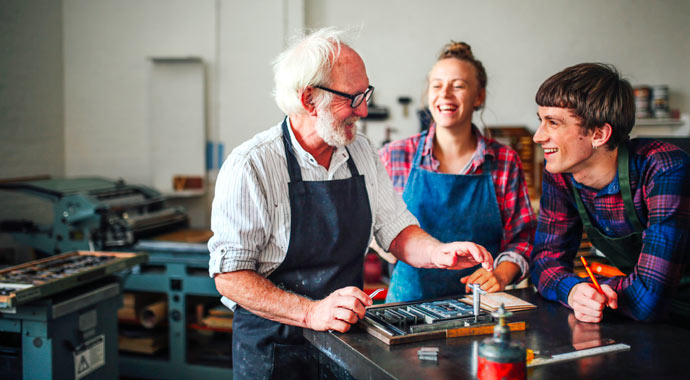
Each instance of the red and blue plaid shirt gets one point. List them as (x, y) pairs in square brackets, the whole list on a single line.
[(519, 221), (660, 184)]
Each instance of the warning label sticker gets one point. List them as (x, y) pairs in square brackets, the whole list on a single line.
[(89, 356)]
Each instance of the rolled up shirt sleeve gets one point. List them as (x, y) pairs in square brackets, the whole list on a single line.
[(239, 218), (517, 259)]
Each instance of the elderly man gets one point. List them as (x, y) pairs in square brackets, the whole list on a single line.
[(632, 197), (295, 210)]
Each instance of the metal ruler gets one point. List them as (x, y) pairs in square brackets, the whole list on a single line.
[(537, 361)]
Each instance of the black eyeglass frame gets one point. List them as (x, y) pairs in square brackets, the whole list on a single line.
[(356, 98)]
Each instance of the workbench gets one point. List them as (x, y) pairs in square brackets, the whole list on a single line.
[(657, 350)]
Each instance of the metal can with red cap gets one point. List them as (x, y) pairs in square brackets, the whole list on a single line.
[(498, 356)]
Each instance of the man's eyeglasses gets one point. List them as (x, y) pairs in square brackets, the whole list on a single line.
[(357, 99)]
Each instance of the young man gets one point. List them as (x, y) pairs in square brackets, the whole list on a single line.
[(632, 197), (294, 212)]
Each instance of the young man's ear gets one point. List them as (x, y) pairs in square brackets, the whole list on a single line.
[(601, 135), (307, 100)]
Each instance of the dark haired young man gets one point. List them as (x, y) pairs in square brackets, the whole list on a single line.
[(632, 197)]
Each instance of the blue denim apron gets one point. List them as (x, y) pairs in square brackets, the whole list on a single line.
[(450, 208), (329, 234)]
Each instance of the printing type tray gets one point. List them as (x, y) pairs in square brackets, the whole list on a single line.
[(422, 320), (40, 278)]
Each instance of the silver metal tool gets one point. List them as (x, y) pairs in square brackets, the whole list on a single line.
[(476, 298), (375, 292)]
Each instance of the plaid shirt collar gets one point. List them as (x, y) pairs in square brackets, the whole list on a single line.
[(477, 159)]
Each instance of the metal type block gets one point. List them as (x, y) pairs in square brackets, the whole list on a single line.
[(379, 322), (410, 318), (429, 316)]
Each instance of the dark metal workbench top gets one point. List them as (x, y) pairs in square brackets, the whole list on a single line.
[(658, 351)]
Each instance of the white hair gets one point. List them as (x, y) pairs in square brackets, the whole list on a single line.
[(306, 62)]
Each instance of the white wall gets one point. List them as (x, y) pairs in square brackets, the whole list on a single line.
[(251, 35), (108, 71), (31, 89), (31, 108), (108, 46), (104, 46), (521, 43)]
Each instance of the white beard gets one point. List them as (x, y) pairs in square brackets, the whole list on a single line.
[(334, 135)]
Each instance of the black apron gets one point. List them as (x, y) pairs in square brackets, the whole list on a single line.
[(624, 251), (329, 235)]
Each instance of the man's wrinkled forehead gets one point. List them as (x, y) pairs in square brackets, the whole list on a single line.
[(349, 67)]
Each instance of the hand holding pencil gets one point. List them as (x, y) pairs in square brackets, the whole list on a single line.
[(591, 276), (588, 300)]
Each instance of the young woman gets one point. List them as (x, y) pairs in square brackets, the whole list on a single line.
[(460, 185)]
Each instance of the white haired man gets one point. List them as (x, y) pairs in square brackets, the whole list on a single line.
[(295, 210)]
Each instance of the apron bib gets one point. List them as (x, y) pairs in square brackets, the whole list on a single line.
[(329, 234), (624, 251), (450, 208)]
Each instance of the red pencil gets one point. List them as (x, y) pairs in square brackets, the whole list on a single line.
[(591, 276)]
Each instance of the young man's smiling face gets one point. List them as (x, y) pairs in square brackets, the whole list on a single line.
[(567, 146)]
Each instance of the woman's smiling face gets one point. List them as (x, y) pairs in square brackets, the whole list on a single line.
[(453, 92)]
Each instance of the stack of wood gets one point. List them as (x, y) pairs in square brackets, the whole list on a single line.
[(520, 139), (142, 342), (139, 318), (219, 317)]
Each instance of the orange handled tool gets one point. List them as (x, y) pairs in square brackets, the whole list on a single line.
[(591, 276)]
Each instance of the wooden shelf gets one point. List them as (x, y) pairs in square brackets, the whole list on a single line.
[(652, 122)]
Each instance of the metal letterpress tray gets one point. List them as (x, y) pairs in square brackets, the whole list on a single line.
[(40, 278), (406, 322)]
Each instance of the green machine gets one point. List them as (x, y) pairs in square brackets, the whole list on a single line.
[(58, 316), (92, 213)]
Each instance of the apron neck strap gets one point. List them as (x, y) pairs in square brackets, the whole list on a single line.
[(293, 166), (624, 183), (420, 148), (351, 164)]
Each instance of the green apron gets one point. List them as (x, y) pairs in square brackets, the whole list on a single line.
[(624, 251)]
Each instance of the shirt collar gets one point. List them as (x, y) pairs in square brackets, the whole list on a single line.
[(612, 188), (478, 158)]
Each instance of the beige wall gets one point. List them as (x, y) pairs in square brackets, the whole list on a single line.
[(521, 43), (75, 73)]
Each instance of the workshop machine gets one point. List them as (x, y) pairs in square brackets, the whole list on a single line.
[(92, 213), (58, 316)]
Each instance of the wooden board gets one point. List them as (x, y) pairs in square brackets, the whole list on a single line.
[(483, 329), (187, 236), (389, 339)]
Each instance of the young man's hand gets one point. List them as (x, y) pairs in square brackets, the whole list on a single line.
[(588, 304)]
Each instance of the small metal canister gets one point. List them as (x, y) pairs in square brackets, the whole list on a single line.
[(498, 357)]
